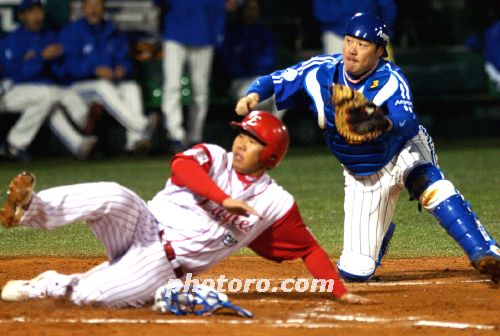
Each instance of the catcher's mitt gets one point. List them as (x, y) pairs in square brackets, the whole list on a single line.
[(357, 119)]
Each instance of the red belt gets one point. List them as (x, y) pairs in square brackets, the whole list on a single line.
[(170, 253)]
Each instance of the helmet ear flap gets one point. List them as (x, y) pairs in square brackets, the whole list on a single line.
[(268, 157)]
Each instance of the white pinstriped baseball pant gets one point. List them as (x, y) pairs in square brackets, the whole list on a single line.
[(122, 100), (332, 43), (370, 200), (120, 219), (199, 60), (36, 102)]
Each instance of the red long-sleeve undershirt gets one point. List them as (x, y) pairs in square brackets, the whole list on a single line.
[(186, 172), (320, 266), (289, 239)]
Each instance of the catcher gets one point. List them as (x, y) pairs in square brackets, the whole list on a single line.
[(364, 106)]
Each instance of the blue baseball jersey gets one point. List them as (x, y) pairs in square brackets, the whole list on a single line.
[(386, 87), (492, 45), (22, 56), (248, 50), (333, 15), (87, 47), (194, 22)]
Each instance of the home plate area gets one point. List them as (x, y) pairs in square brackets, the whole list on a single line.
[(428, 296)]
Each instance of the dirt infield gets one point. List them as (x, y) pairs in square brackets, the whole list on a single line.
[(442, 296)]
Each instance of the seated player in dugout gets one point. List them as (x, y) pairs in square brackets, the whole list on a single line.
[(401, 154), (214, 203)]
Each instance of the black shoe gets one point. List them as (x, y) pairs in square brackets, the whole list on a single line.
[(3, 149), (176, 146), (13, 153), (142, 146)]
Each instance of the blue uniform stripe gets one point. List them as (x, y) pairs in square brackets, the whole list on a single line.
[(314, 90), (430, 143), (387, 91), (386, 86)]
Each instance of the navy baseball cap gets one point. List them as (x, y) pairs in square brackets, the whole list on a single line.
[(27, 4)]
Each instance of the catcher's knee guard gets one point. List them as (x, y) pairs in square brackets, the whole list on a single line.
[(427, 184), (356, 267), (420, 178)]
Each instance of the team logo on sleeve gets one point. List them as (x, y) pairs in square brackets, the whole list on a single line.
[(374, 84), (290, 74), (198, 154)]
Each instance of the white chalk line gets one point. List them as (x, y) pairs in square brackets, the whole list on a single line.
[(298, 321), (384, 284), (406, 283), (267, 323), (322, 313), (419, 283)]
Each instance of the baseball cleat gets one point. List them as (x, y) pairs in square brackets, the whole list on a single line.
[(21, 290), (18, 199), (16, 290), (489, 263)]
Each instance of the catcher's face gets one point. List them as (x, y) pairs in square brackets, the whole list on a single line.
[(360, 56), (246, 153)]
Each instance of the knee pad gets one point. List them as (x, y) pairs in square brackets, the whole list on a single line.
[(436, 193), (356, 267), (420, 178)]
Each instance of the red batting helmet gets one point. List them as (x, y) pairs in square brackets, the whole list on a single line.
[(269, 130)]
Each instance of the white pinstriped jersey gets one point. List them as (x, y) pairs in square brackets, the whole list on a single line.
[(203, 232)]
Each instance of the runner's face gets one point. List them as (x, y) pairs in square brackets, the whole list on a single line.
[(246, 153)]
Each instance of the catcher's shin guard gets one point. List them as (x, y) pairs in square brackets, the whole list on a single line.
[(427, 184), (463, 225)]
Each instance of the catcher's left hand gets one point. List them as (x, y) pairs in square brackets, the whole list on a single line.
[(246, 104), (357, 119)]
